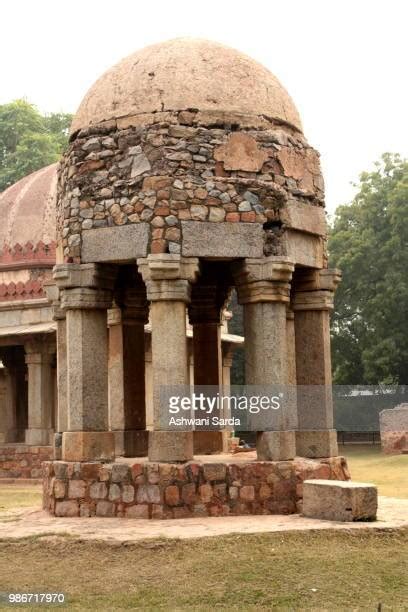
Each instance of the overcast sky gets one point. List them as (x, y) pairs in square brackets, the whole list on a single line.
[(343, 62)]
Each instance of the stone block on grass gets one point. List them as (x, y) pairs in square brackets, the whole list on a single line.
[(339, 500)]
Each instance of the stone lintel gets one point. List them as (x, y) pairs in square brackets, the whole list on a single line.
[(222, 240), (263, 280), (85, 298), (115, 244), (304, 217), (90, 275)]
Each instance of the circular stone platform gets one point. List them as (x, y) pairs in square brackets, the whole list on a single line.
[(212, 485)]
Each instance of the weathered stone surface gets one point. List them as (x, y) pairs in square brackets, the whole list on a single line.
[(115, 244), (76, 488), (66, 508), (26, 463), (275, 445), (174, 490), (339, 501), (316, 443), (88, 445), (394, 429), (303, 249), (180, 80), (171, 446), (241, 152), (221, 240), (303, 217)]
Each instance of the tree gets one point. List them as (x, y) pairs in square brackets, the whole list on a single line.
[(29, 140), (369, 243)]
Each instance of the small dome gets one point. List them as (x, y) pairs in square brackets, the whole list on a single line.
[(27, 218), (186, 74)]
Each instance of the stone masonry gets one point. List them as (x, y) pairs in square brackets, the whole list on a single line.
[(164, 490), (164, 169), (23, 461)]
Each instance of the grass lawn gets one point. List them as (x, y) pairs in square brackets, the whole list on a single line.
[(288, 571), (369, 464), (19, 496)]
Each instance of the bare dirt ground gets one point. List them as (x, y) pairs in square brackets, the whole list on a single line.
[(26, 522)]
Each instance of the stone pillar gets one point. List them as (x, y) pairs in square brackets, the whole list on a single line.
[(168, 281), (312, 303), (40, 355), (205, 313), (263, 288), (59, 315), (127, 391), (149, 381), (85, 296), (8, 407)]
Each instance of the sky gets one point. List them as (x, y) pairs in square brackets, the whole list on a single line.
[(343, 62)]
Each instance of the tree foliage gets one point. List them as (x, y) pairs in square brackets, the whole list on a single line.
[(369, 243), (29, 140)]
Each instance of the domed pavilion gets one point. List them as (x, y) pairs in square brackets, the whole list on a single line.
[(188, 176)]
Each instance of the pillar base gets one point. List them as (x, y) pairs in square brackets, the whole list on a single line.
[(131, 442), (9, 436), (88, 446), (38, 437), (210, 442), (315, 443), (171, 446), (57, 446), (275, 445)]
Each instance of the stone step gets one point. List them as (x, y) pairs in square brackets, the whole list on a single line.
[(334, 500)]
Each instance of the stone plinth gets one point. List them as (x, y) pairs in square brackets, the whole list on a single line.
[(339, 501), (394, 429), (213, 487)]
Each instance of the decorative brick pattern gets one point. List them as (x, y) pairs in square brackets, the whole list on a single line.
[(165, 491), (28, 253), (23, 461)]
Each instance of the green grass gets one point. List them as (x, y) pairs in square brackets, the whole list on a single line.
[(19, 496), (288, 571), (369, 464)]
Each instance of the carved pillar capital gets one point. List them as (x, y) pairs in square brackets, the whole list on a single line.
[(263, 280), (168, 277), (85, 298), (95, 276), (315, 289)]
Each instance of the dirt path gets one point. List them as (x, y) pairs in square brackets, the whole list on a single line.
[(24, 522)]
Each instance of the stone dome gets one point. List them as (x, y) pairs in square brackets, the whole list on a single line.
[(27, 219), (184, 74)]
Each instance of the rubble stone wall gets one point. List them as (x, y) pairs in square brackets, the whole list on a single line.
[(163, 491), (164, 168), (23, 461)]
